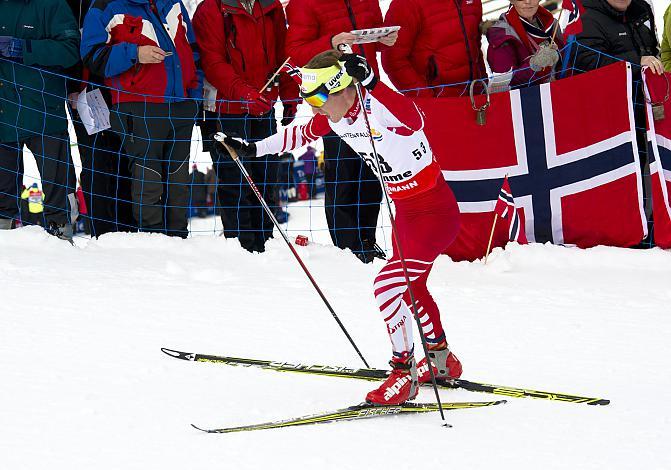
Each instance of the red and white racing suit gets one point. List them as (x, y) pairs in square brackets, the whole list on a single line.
[(427, 215)]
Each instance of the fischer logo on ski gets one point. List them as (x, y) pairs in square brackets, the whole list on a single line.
[(356, 412)]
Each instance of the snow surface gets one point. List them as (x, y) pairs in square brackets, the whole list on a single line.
[(84, 384)]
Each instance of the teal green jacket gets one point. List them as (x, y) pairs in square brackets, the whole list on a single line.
[(32, 91)]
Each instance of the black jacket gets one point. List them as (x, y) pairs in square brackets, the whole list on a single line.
[(627, 36), (79, 9)]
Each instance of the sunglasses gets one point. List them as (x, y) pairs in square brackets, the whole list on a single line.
[(316, 98)]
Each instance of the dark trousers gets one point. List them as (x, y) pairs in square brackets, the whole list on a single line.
[(156, 141), (52, 154), (241, 213), (352, 196), (105, 180)]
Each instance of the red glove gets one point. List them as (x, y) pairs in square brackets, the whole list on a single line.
[(256, 103), (289, 114)]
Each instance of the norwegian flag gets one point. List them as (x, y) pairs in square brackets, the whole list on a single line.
[(574, 22), (293, 71), (569, 150), (659, 154), (505, 208)]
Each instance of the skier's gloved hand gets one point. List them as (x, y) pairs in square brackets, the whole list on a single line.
[(241, 147), (358, 67)]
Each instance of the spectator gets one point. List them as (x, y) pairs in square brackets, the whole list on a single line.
[(40, 39), (352, 192), (106, 185), (666, 37), (623, 29), (211, 182), (242, 42), (198, 196), (438, 45), (32, 205), (519, 35), (144, 50), (309, 159)]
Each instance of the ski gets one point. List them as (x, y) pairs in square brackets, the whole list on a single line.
[(381, 374), (356, 412)]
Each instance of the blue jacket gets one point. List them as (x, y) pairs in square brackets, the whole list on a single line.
[(115, 29)]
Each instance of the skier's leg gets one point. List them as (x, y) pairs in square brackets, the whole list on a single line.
[(390, 294), (429, 314), (429, 226), (447, 364), (390, 290)]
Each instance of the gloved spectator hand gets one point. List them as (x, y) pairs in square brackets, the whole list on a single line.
[(241, 147), (357, 67), (256, 103), (10, 47), (289, 114)]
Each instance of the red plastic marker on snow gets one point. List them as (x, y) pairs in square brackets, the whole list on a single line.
[(302, 240)]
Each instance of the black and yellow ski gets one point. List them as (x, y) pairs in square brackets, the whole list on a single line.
[(381, 374), (362, 411)]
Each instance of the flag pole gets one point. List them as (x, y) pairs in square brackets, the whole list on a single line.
[(491, 236), (274, 75)]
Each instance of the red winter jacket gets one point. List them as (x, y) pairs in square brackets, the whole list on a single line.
[(312, 24), (240, 51), (438, 44)]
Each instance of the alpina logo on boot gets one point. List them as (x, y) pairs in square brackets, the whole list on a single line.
[(396, 387)]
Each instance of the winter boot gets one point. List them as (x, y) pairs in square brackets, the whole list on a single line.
[(446, 366), (400, 386), (370, 250), (64, 231)]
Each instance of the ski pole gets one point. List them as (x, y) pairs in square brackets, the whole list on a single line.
[(234, 155), (346, 48)]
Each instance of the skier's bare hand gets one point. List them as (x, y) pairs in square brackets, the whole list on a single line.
[(654, 63), (150, 55), (342, 38), (389, 39)]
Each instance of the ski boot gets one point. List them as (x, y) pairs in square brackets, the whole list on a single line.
[(446, 366), (400, 386)]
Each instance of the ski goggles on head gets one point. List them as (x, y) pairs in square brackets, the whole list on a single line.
[(318, 84), (316, 98)]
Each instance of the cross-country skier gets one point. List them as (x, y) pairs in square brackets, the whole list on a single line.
[(427, 215)]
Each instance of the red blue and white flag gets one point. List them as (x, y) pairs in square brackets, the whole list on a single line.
[(574, 23), (505, 208), (293, 71), (659, 155), (569, 150)]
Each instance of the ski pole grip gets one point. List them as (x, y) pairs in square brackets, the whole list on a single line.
[(218, 137), (231, 152)]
